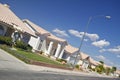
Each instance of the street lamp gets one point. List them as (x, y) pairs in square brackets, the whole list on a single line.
[(86, 28)]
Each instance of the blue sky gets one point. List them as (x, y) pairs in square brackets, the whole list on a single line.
[(67, 19)]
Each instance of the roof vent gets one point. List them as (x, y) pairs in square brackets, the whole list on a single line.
[(6, 5)]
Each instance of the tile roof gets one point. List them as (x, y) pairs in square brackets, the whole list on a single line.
[(70, 49), (37, 28), (9, 18), (118, 71), (83, 55), (107, 66), (42, 31), (53, 37), (93, 62)]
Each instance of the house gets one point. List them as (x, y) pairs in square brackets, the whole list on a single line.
[(107, 66), (117, 73), (70, 54), (93, 63), (45, 41), (9, 23), (84, 60), (55, 46), (37, 37), (41, 34)]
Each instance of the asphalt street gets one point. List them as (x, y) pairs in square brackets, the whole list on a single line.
[(30, 75), (13, 69)]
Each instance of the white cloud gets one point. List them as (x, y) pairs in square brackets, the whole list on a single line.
[(86, 40), (107, 61), (104, 59), (60, 33), (101, 57), (108, 17), (102, 50), (75, 33), (112, 50), (101, 43), (118, 56), (92, 37)]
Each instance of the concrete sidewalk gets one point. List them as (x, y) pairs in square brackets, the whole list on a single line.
[(61, 71), (9, 62)]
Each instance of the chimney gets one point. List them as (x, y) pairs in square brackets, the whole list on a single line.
[(6, 5)]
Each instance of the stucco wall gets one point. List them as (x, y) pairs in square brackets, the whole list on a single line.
[(33, 42)]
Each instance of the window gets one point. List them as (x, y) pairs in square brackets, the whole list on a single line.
[(1, 30)]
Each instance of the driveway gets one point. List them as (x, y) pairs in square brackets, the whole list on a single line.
[(9, 62)]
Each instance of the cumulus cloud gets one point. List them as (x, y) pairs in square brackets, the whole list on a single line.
[(101, 43), (100, 57), (92, 37), (102, 50), (60, 33), (107, 61), (118, 56), (104, 59), (75, 33), (86, 40), (112, 50)]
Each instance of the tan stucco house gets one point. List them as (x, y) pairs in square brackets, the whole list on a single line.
[(9, 23), (45, 41)]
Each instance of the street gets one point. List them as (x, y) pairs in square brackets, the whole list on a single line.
[(13, 69), (59, 40), (30, 75)]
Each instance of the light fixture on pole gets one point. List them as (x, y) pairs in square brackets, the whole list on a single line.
[(86, 28)]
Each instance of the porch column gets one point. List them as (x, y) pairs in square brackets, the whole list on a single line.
[(50, 47), (86, 66), (61, 54), (37, 43), (68, 59), (58, 50), (83, 65)]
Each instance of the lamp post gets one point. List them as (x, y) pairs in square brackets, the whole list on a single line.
[(86, 28)]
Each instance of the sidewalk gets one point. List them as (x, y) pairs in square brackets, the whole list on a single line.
[(9, 62), (61, 71)]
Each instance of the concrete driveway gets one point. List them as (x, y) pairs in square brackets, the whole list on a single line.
[(8, 61)]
